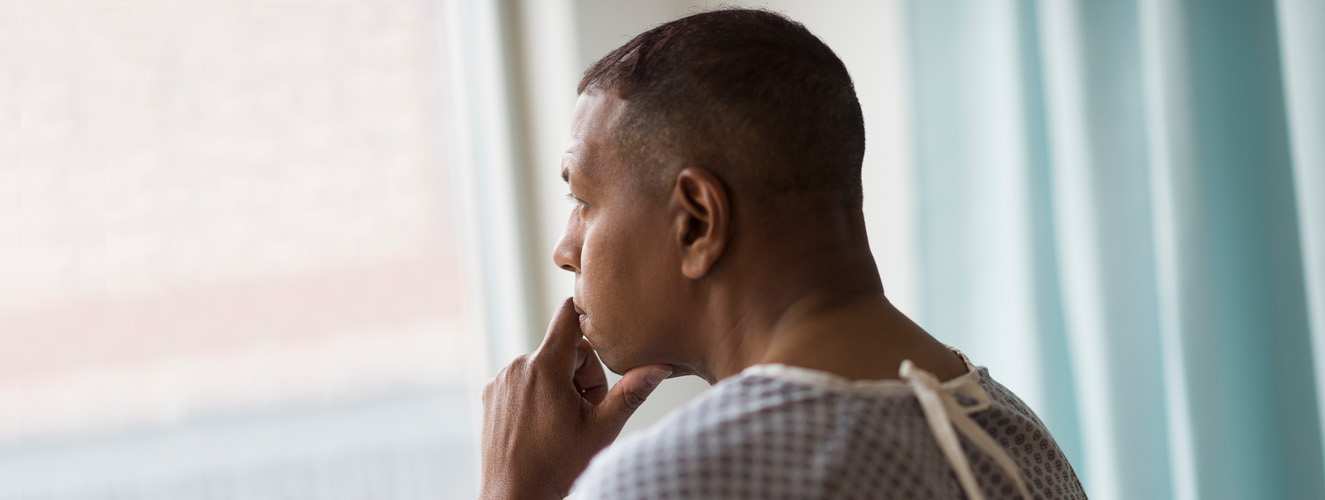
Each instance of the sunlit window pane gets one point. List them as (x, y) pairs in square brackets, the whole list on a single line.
[(228, 265)]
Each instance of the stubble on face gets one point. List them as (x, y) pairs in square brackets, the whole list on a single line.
[(617, 240)]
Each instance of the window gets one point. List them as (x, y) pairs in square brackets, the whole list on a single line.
[(228, 262)]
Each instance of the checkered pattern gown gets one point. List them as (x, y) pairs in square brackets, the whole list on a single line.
[(782, 432)]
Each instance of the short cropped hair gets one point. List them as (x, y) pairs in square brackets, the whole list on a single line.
[(749, 94)]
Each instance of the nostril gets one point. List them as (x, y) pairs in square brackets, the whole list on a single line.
[(568, 267)]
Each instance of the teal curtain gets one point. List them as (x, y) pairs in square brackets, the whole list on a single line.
[(1122, 214)]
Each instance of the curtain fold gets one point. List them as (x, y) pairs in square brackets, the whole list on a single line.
[(1120, 214), (1302, 38)]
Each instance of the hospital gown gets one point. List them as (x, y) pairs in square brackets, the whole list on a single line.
[(783, 432)]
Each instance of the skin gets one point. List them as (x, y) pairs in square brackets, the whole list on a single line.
[(691, 278)]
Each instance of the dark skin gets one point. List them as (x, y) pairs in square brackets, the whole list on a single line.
[(691, 278)]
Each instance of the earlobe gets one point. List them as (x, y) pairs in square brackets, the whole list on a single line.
[(702, 218)]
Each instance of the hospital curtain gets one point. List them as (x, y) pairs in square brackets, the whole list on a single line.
[(1122, 213)]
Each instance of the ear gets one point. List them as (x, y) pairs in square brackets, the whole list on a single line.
[(701, 218)]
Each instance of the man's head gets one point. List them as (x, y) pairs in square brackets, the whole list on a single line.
[(697, 146), (748, 94)]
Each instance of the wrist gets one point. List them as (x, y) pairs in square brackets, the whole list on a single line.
[(513, 492)]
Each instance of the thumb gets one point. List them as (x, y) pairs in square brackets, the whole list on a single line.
[(630, 392)]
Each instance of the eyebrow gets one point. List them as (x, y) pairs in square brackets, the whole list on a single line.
[(565, 174)]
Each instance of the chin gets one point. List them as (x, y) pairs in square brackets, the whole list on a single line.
[(613, 359), (619, 357), (613, 364), (618, 372), (620, 364)]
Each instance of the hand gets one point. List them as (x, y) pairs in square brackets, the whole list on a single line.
[(547, 413)]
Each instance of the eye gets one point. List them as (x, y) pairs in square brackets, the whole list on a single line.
[(571, 197)]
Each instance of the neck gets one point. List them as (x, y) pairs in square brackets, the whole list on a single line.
[(818, 303), (757, 315)]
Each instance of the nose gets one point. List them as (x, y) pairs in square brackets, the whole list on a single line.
[(567, 252)]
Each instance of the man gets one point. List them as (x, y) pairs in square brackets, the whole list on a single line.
[(717, 231)]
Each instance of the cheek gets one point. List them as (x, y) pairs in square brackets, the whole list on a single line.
[(608, 271), (621, 281)]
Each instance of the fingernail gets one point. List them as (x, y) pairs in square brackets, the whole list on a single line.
[(656, 376)]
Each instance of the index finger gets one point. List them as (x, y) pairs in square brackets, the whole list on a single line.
[(563, 334)]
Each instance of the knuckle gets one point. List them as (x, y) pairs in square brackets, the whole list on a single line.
[(491, 389), (488, 388), (526, 364), (633, 400), (520, 362)]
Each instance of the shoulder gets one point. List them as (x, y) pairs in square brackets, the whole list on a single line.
[(683, 451), (792, 433), (750, 435)]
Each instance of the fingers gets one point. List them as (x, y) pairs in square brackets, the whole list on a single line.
[(630, 392), (564, 348), (589, 377), (563, 336)]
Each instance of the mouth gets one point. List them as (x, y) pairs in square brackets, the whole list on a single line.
[(583, 316)]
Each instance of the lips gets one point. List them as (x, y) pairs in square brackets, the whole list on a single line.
[(583, 316)]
